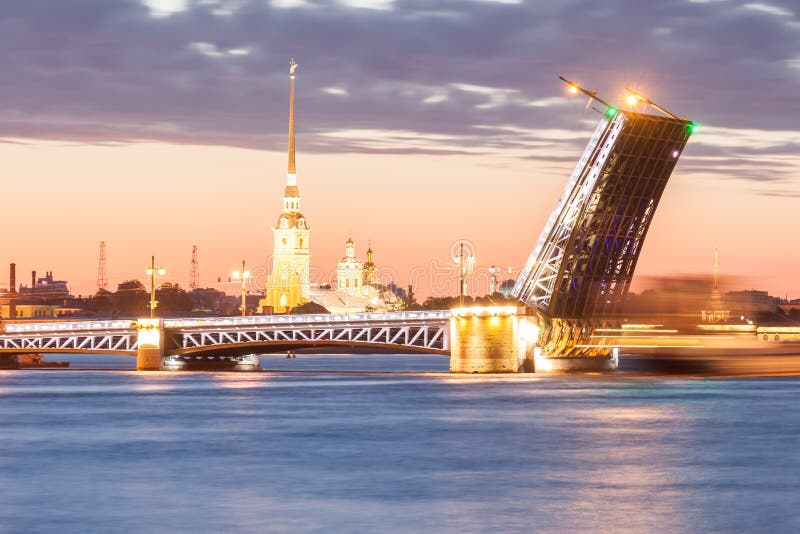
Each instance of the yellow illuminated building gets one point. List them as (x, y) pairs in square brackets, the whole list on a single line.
[(288, 283), (32, 311)]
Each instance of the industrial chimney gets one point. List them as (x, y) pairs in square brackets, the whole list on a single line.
[(12, 283)]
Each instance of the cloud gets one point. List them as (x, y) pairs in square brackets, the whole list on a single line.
[(211, 50), (473, 77), (165, 8), (769, 9), (337, 91)]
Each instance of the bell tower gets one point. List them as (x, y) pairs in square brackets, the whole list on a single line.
[(288, 284)]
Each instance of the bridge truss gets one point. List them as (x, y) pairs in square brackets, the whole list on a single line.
[(427, 336), (582, 265), (119, 342)]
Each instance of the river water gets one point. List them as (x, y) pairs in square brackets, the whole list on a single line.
[(393, 444)]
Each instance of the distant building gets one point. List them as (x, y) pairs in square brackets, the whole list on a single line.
[(715, 312), (46, 297), (751, 301), (130, 287), (211, 300), (47, 289)]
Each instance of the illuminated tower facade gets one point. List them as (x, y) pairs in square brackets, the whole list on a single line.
[(288, 284), (370, 271)]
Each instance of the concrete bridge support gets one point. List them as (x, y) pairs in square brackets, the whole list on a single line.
[(495, 339), (150, 350), (518, 340)]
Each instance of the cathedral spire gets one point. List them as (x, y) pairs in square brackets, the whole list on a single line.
[(292, 68), (291, 193)]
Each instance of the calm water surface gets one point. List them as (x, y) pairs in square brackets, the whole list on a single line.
[(369, 450)]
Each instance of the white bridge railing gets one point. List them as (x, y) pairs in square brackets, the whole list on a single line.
[(126, 324), (255, 320)]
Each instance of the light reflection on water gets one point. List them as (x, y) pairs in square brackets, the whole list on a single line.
[(376, 451)]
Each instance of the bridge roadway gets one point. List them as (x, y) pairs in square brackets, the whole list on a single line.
[(420, 331)]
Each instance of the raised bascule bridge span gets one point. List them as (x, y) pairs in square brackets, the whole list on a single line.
[(574, 282)]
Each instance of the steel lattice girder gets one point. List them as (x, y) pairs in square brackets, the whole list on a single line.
[(584, 259), (115, 342), (424, 334)]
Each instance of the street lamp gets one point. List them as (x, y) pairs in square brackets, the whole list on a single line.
[(466, 265), (151, 272), (243, 275)]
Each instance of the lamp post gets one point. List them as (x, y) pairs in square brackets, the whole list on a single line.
[(466, 265), (492, 280), (151, 272), (243, 275)]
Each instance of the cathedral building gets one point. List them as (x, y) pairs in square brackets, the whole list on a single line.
[(357, 288), (350, 271), (288, 283), (355, 277)]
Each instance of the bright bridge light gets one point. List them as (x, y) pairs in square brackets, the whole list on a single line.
[(484, 311), (632, 100)]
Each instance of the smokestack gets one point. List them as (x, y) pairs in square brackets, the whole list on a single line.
[(12, 282), (33, 279)]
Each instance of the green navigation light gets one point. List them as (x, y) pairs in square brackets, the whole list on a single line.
[(693, 127), (611, 111)]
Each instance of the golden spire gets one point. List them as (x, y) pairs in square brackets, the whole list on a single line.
[(292, 67)]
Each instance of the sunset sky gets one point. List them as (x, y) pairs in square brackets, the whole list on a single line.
[(156, 125)]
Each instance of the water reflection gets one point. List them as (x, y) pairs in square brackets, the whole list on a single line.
[(349, 452)]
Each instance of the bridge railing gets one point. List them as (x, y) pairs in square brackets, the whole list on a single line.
[(253, 320), (68, 326), (260, 320)]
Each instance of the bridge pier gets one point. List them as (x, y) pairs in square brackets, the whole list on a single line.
[(507, 339), (150, 348), (544, 363), (494, 339), (570, 345)]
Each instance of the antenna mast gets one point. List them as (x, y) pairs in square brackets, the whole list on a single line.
[(194, 274), (102, 275)]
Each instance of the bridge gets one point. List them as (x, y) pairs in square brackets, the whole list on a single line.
[(581, 267), (184, 341)]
